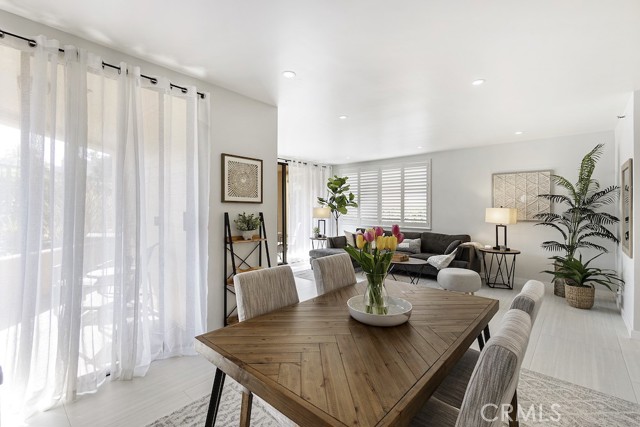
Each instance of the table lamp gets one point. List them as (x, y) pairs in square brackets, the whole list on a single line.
[(322, 213), (501, 217)]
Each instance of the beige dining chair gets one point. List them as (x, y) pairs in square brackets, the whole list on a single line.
[(262, 291), (451, 390), (492, 384), (333, 272), (259, 292)]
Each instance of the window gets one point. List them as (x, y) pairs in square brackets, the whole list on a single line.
[(391, 194)]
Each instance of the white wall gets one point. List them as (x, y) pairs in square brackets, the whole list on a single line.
[(627, 135), (240, 125), (461, 190)]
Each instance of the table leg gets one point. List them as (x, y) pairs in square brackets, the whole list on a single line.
[(216, 393), (245, 408)]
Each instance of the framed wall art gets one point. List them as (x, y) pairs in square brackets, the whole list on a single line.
[(520, 190), (626, 181), (241, 179)]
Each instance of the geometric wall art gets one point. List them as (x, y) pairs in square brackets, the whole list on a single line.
[(241, 179), (520, 190)]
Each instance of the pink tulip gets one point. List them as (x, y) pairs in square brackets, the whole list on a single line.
[(379, 231), (369, 236), (395, 229), (400, 237)]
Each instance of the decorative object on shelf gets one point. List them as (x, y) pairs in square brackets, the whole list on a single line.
[(316, 232), (322, 214), (373, 253), (243, 260), (520, 190), (627, 207), (580, 280), (399, 312), (241, 179), (339, 198), (501, 217), (247, 224), (583, 219)]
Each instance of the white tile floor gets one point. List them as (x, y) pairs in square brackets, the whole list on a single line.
[(585, 347)]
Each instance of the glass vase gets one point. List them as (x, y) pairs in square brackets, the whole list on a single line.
[(375, 297)]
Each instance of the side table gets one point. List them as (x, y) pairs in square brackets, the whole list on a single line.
[(322, 242), (505, 262)]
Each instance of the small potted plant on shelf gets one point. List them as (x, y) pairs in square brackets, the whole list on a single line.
[(316, 232), (247, 224), (580, 280)]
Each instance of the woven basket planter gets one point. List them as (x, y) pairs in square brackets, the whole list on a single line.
[(558, 284), (558, 288), (580, 297)]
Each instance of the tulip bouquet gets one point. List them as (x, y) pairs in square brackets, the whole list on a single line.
[(373, 252)]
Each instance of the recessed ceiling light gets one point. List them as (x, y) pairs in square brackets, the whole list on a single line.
[(343, 117), (477, 82), (348, 157), (419, 146), (519, 132), (288, 74)]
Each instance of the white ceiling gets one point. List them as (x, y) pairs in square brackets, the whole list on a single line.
[(401, 70)]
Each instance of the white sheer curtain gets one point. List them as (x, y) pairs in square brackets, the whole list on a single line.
[(307, 182), (104, 184)]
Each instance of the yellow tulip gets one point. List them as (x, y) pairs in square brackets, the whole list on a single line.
[(380, 243), (360, 241), (392, 243)]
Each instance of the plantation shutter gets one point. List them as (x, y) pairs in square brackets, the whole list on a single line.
[(391, 195), (416, 195), (369, 196)]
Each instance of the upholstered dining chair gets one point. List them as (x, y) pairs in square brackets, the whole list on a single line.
[(451, 390), (492, 384), (333, 272), (262, 291), (259, 292)]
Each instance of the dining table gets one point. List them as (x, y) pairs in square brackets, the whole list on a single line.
[(319, 367)]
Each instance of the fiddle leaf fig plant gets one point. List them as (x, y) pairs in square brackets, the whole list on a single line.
[(339, 197)]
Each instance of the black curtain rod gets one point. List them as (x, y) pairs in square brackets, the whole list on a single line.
[(153, 80), (304, 163)]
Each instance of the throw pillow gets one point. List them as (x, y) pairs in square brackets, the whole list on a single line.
[(452, 246), (441, 261), (337, 242), (351, 238), (410, 245)]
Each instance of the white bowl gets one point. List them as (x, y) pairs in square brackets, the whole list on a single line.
[(399, 312)]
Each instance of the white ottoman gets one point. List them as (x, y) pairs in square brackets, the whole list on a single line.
[(459, 280)]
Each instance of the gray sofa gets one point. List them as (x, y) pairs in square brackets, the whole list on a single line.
[(430, 244)]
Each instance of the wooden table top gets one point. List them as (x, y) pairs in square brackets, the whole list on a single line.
[(318, 366), (410, 261)]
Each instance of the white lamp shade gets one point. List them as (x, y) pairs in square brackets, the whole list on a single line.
[(321, 213), (501, 215)]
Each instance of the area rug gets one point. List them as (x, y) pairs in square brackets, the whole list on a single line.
[(543, 400)]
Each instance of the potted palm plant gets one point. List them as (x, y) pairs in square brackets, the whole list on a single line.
[(582, 221), (247, 224), (580, 280)]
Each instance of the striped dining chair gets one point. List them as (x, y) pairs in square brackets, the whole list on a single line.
[(333, 272), (492, 384), (451, 390), (259, 292)]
